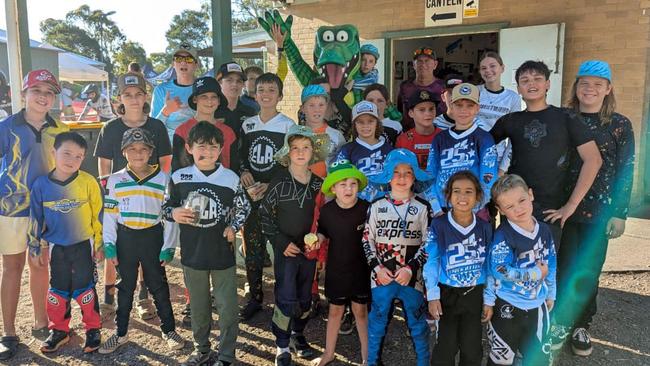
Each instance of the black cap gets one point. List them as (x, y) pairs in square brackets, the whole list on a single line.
[(230, 68), (452, 80), (137, 134), (422, 96), (206, 84)]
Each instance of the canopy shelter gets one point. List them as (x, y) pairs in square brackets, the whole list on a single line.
[(73, 67)]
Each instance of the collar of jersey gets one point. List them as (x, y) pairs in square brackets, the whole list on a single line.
[(460, 228), (144, 180), (371, 147), (524, 232), (465, 133), (20, 119)]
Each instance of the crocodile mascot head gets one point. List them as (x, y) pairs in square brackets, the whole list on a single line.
[(337, 53)]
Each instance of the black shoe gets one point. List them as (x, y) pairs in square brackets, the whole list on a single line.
[(249, 310), (299, 345), (56, 339), (283, 359), (198, 358), (8, 347), (581, 342), (347, 324), (93, 340)]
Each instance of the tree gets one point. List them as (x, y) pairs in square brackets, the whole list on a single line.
[(129, 52), (189, 27), (246, 12), (160, 61), (85, 31), (69, 37)]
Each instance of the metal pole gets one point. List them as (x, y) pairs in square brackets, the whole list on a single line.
[(18, 50), (221, 32)]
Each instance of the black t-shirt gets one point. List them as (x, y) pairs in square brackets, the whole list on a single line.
[(347, 272), (542, 143), (109, 141), (236, 117)]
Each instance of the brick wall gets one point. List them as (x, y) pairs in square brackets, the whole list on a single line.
[(616, 31)]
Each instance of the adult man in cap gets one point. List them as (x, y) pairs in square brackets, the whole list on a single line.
[(425, 62), (169, 101)]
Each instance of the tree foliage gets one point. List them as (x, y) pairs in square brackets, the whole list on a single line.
[(190, 27), (129, 52)]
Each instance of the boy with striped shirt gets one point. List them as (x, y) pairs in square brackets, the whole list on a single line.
[(134, 236)]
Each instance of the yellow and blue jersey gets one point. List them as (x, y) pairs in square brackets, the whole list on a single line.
[(25, 154), (66, 213)]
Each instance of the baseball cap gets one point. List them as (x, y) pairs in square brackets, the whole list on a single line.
[(229, 68), (421, 97), (595, 68), (426, 51), (465, 91), (137, 134), (131, 79), (204, 85), (364, 107), (452, 80), (184, 47), (41, 76)]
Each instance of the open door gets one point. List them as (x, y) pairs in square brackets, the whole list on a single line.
[(540, 42), (380, 43)]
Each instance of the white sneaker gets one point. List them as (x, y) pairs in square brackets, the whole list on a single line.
[(174, 340), (112, 344)]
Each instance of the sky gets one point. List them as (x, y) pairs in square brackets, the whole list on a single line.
[(144, 22)]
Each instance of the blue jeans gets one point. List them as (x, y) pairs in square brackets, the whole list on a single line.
[(415, 308)]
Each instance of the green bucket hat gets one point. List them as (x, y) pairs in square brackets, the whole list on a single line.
[(340, 170), (320, 148)]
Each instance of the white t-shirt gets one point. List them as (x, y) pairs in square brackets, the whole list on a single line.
[(493, 105)]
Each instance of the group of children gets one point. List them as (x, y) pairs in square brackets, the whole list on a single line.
[(409, 224)]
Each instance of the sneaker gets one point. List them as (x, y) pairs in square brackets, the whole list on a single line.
[(283, 359), (187, 316), (174, 340), (145, 309), (581, 342), (107, 311), (56, 339), (198, 358), (299, 345), (249, 310), (93, 340), (112, 344), (559, 335), (347, 324)]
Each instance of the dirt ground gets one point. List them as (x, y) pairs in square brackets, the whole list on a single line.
[(620, 332)]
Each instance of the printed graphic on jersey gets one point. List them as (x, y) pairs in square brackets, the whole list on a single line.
[(213, 210), (64, 205), (466, 261), (371, 164), (534, 132), (260, 154)]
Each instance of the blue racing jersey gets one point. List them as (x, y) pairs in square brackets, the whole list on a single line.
[(514, 274), (25, 154), (369, 159), (453, 151), (456, 254)]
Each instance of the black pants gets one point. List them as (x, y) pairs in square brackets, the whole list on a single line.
[(459, 328), (512, 329), (580, 261), (255, 254), (141, 248), (293, 278)]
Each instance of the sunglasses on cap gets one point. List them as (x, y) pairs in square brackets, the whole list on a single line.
[(186, 59), (423, 51)]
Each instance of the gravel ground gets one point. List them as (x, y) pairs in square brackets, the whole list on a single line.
[(620, 333)]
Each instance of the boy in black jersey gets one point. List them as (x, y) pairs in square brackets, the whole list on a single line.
[(543, 137), (288, 214), (209, 204)]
